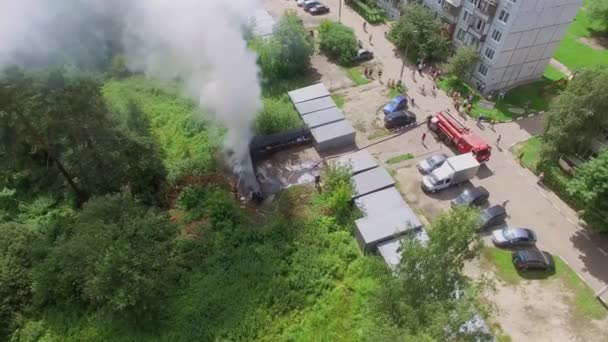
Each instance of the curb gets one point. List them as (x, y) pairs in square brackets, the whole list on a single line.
[(519, 118), (597, 294)]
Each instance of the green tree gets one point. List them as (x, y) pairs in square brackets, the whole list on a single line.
[(115, 256), (461, 63), (428, 293), (337, 191), (590, 184), (417, 30), (337, 41), (598, 10), (55, 124), (278, 116), (576, 115), (287, 52)]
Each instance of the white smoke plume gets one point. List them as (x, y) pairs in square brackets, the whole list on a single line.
[(199, 42)]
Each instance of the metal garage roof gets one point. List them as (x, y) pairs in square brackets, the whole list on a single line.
[(263, 23), (314, 105), (308, 93), (371, 181), (373, 230), (332, 131), (391, 250), (359, 161), (381, 202), (323, 117)]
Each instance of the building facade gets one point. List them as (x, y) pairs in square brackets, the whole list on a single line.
[(515, 38)]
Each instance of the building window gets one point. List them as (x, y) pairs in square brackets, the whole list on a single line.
[(460, 35), (482, 69), (480, 25), (489, 53), (496, 35), (504, 16), (465, 15)]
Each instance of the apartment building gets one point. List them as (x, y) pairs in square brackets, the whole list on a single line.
[(515, 38)]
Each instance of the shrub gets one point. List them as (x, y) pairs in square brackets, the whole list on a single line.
[(368, 10), (278, 116), (337, 41)]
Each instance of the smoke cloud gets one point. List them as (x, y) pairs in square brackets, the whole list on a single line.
[(199, 42)]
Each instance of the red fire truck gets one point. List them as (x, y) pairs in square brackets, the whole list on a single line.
[(453, 132)]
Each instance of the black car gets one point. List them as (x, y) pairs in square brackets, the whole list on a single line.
[(318, 10), (399, 119), (493, 216), (529, 259), (474, 197), (363, 55), (513, 237)]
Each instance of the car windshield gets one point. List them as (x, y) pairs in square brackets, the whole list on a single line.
[(465, 197), (433, 179), (434, 161), (509, 234)]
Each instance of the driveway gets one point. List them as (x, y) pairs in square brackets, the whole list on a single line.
[(528, 204)]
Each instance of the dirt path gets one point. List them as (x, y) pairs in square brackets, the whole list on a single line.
[(561, 67)]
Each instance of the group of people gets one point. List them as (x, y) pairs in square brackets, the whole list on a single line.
[(394, 84)]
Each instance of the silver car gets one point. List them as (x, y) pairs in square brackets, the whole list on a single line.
[(513, 237), (429, 164)]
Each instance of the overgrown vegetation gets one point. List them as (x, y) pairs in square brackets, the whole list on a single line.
[(418, 33), (337, 41), (460, 64), (355, 75), (400, 158), (368, 9)]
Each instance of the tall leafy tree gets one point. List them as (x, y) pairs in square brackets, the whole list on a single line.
[(428, 293), (598, 10), (461, 63), (590, 184), (56, 124), (115, 255), (575, 117), (418, 30), (337, 41)]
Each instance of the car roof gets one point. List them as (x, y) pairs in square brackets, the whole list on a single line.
[(399, 98), (531, 255), (400, 113), (439, 156), (496, 210), (522, 232), (477, 191)]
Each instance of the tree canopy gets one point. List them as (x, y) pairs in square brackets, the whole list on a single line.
[(598, 10), (287, 52), (461, 63), (337, 41), (418, 31), (577, 115), (590, 184)]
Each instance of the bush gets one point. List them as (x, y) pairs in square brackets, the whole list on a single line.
[(278, 116), (338, 42), (369, 11)]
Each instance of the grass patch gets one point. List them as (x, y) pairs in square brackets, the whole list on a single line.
[(585, 303), (400, 158), (529, 98), (528, 152), (339, 99), (575, 54), (355, 75), (553, 74), (379, 134), (396, 91)]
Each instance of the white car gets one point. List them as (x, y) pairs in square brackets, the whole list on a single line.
[(301, 3)]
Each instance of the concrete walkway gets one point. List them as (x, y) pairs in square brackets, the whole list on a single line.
[(528, 204)]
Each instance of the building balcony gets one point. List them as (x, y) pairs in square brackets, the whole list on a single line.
[(450, 11), (486, 9)]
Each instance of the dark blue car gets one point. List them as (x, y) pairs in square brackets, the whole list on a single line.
[(396, 104)]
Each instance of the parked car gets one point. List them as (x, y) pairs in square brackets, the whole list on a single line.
[(431, 163), (395, 105), (399, 119), (493, 216), (318, 10), (310, 4), (529, 259), (363, 55), (474, 197), (301, 3), (514, 237)]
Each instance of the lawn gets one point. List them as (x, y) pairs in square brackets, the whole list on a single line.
[(526, 99), (528, 152), (400, 158), (575, 54), (584, 299), (355, 75)]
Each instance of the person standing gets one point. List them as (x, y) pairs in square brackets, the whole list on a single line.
[(365, 26), (423, 138), (370, 40), (498, 140), (492, 123), (379, 74)]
